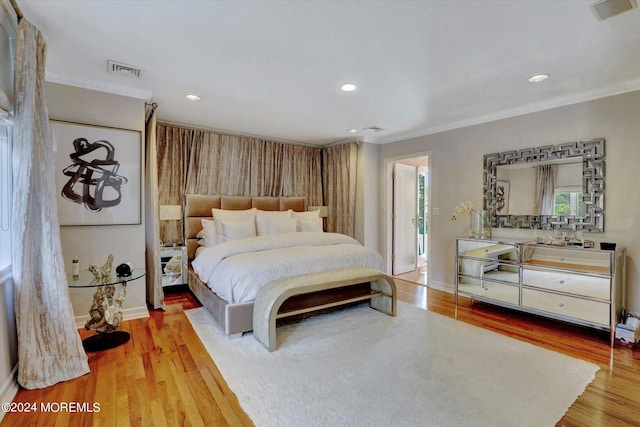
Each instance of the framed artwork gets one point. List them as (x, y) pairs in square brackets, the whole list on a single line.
[(502, 197), (98, 174)]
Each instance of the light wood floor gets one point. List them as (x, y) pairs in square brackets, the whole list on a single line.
[(164, 376)]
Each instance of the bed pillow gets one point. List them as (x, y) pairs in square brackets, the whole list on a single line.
[(238, 229), (310, 225), (210, 235), (306, 216), (264, 218), (231, 215), (279, 225)]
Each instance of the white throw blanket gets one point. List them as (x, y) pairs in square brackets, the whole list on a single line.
[(238, 269)]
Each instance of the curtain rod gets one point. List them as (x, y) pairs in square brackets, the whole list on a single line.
[(17, 10), (241, 135), (153, 106)]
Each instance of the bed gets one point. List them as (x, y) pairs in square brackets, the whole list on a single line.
[(227, 276)]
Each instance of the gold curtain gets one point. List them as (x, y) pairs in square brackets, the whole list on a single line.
[(172, 148), (206, 162), (339, 173), (155, 294)]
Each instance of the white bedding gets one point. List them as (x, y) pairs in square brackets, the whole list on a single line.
[(236, 270)]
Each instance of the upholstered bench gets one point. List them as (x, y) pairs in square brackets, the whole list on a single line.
[(268, 302)]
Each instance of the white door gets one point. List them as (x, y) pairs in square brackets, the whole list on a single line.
[(405, 224)]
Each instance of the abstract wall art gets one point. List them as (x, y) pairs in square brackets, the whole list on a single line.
[(98, 178)]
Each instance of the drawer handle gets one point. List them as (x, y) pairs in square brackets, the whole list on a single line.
[(562, 282), (562, 259), (561, 304)]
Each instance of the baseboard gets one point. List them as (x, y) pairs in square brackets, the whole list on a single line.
[(9, 389), (127, 314), (442, 286)]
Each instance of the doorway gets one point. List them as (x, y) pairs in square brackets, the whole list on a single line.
[(410, 218)]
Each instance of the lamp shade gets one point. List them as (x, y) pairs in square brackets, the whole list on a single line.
[(170, 212), (324, 210)]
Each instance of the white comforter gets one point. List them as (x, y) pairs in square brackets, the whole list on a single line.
[(238, 269)]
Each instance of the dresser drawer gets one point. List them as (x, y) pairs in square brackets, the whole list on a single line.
[(496, 291), (577, 308), (576, 284)]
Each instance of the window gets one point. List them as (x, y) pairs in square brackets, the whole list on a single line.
[(568, 201)]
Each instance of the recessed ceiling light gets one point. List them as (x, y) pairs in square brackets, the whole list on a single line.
[(348, 87), (192, 97), (538, 78), (353, 131)]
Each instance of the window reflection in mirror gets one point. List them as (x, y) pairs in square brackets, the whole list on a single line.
[(516, 184)]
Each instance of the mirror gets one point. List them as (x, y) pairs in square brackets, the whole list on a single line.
[(570, 174)]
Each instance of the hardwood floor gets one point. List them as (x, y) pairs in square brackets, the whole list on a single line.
[(164, 377)]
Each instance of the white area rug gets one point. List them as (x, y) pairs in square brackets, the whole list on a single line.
[(359, 367)]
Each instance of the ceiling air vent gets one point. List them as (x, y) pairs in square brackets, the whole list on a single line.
[(120, 68), (607, 8), (372, 129)]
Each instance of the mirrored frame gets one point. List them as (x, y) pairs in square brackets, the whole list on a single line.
[(592, 153)]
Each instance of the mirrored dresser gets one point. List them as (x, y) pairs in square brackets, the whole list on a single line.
[(569, 283)]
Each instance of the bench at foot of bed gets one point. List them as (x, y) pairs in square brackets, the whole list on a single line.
[(267, 304)]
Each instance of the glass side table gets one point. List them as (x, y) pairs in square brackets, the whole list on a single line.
[(105, 314)]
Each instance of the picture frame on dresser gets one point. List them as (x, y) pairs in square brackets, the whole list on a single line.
[(97, 174)]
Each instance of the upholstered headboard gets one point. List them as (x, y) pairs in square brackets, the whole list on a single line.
[(198, 206)]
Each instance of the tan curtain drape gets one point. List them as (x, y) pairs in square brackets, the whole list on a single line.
[(339, 172), (155, 294), (172, 147), (218, 164), (545, 189), (206, 162), (49, 347)]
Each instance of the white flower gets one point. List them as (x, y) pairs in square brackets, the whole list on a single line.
[(462, 208)]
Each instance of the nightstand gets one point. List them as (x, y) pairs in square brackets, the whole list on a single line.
[(173, 264)]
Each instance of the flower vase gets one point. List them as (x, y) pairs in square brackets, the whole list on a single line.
[(479, 226)]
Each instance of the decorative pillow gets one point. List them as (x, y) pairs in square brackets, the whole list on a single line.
[(305, 216), (279, 225), (263, 218), (310, 225), (231, 215), (241, 229), (209, 235)]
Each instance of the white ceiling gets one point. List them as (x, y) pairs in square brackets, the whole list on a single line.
[(272, 68)]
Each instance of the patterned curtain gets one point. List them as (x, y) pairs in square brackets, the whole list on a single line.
[(339, 172), (205, 162), (155, 294), (49, 347), (172, 149)]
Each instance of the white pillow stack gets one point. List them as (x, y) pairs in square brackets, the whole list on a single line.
[(308, 221), (229, 225), (274, 222)]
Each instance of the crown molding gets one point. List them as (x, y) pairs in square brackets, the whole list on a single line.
[(629, 86), (99, 86)]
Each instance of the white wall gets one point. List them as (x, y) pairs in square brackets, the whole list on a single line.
[(367, 196), (92, 244), (456, 174)]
